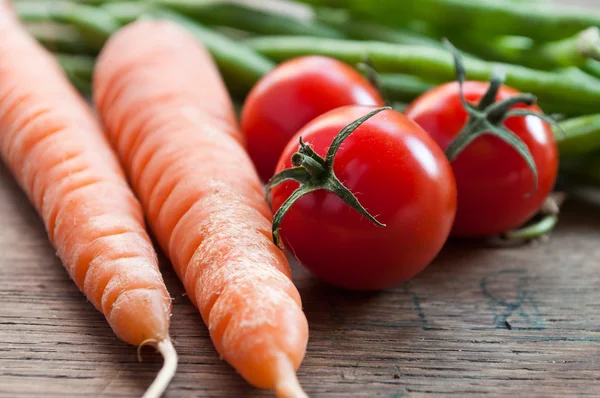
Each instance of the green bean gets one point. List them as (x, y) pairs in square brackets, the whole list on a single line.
[(243, 17), (364, 30), (479, 17), (436, 65), (239, 64), (59, 38), (583, 169), (328, 3), (582, 136), (94, 24), (79, 70), (405, 88), (127, 11), (573, 51), (592, 68)]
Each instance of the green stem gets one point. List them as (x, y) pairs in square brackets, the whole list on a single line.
[(314, 173), (582, 136), (483, 17), (533, 231), (436, 65)]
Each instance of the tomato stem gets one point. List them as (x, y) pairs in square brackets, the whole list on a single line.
[(533, 231), (314, 173), (488, 116)]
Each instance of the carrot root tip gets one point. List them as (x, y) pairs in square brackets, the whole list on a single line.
[(159, 385), (288, 385)]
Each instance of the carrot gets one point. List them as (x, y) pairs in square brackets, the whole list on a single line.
[(168, 115), (57, 152)]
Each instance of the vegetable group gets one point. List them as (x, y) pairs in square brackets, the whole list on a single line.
[(170, 119), (292, 95), (398, 174), (363, 196)]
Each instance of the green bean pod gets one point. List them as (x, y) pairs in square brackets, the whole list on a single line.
[(436, 64), (573, 51), (584, 169), (240, 65), (246, 18), (366, 30), (59, 38), (403, 88), (483, 17), (582, 136), (94, 24), (79, 69)]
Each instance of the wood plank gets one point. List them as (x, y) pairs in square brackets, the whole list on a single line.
[(441, 333)]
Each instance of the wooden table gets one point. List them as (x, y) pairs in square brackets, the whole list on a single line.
[(443, 333), (479, 321)]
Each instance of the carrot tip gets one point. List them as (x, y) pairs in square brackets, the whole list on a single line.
[(288, 386), (159, 385)]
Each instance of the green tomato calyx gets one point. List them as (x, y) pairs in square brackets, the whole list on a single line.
[(313, 173), (488, 116)]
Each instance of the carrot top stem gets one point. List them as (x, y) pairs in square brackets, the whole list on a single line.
[(159, 385), (314, 173)]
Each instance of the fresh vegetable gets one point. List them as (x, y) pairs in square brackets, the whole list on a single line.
[(437, 65), (482, 17), (366, 30), (572, 51), (170, 119), (292, 95), (503, 153), (357, 170), (240, 65), (94, 24), (582, 136), (60, 38), (54, 147), (79, 69)]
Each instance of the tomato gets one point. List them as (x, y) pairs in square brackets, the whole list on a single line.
[(293, 94), (399, 175), (494, 182)]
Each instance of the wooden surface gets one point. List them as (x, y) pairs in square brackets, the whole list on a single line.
[(441, 334)]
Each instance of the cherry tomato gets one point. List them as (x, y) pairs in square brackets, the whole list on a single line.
[(400, 176), (494, 182), (293, 94)]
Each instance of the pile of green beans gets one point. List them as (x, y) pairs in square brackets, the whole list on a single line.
[(551, 52)]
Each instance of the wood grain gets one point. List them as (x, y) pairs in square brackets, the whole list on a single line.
[(442, 334)]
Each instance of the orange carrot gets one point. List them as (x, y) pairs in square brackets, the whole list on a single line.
[(57, 152), (167, 112)]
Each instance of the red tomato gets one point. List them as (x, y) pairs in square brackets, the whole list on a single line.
[(494, 182), (293, 94), (399, 175)]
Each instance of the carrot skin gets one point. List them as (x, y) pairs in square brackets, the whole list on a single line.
[(53, 145), (168, 115)]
